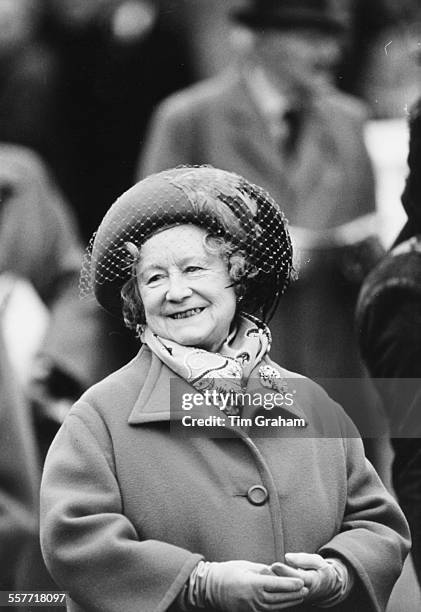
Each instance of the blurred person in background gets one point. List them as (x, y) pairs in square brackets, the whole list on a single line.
[(27, 78), (19, 472), (276, 117), (39, 242), (115, 60), (38, 236), (53, 346), (389, 326), (39, 255)]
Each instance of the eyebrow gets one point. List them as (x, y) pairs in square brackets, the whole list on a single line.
[(204, 259)]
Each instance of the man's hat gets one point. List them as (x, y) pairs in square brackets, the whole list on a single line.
[(327, 15)]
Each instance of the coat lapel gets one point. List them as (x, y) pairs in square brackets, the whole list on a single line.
[(247, 129), (160, 398), (153, 401)]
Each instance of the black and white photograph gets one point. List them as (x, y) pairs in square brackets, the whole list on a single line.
[(210, 305)]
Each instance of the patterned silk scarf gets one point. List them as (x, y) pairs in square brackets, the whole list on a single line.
[(225, 371)]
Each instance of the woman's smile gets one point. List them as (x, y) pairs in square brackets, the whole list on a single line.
[(187, 313)]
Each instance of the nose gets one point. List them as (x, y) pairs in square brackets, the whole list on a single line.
[(178, 288)]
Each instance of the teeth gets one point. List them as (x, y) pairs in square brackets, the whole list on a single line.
[(187, 313)]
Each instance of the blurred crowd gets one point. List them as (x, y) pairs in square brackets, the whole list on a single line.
[(95, 94)]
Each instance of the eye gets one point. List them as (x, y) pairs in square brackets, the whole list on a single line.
[(154, 279), (193, 269)]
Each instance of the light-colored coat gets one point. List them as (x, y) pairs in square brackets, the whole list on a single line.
[(130, 506)]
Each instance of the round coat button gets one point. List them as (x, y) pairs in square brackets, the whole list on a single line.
[(257, 495)]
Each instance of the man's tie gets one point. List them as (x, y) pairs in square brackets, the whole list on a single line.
[(291, 121)]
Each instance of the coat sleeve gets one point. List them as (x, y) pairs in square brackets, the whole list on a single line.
[(374, 537), (91, 549), (390, 339)]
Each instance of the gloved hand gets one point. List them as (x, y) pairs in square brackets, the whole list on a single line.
[(242, 586), (319, 575)]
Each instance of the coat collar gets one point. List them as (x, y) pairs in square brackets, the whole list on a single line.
[(239, 106), (161, 386)]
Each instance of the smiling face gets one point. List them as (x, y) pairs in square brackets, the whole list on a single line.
[(186, 290)]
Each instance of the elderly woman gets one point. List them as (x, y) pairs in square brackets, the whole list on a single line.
[(139, 517)]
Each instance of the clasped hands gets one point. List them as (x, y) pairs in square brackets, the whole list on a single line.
[(242, 586)]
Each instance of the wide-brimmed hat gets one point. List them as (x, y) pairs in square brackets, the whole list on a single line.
[(327, 15), (222, 202)]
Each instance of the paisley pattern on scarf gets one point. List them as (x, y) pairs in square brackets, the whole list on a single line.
[(229, 369)]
